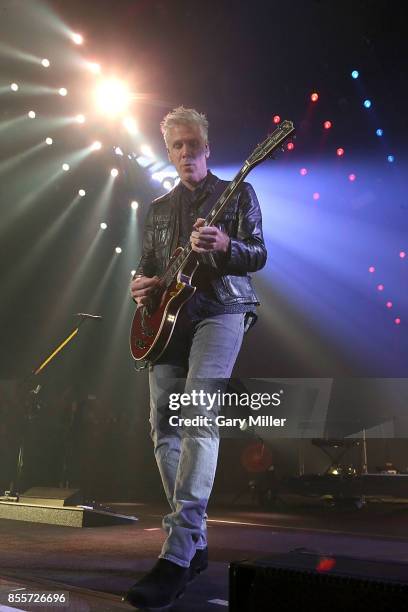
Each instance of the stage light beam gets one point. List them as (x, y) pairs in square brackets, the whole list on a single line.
[(146, 150), (78, 39), (94, 67), (130, 124)]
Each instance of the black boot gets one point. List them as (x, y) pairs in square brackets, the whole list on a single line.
[(198, 563), (159, 588)]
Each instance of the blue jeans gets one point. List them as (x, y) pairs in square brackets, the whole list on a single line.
[(201, 351)]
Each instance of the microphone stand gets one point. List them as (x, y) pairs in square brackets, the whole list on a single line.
[(15, 484)]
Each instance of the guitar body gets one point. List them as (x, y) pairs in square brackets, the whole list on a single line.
[(153, 323)]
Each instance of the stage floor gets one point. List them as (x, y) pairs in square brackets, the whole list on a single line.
[(96, 565)]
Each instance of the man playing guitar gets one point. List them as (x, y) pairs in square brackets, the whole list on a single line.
[(204, 344)]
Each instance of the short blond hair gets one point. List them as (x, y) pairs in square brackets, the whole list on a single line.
[(184, 116)]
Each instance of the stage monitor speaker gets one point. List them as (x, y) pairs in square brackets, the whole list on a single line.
[(297, 581), (51, 496)]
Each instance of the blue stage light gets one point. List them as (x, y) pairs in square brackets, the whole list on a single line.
[(355, 74), (379, 132), (390, 158), (367, 103)]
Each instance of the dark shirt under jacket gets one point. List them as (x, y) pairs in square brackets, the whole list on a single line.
[(204, 302)]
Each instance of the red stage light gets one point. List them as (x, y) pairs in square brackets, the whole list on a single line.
[(290, 146), (276, 119), (303, 171), (325, 564), (389, 304), (371, 269), (316, 195), (327, 125), (397, 321), (380, 287), (340, 152), (352, 177), (314, 97)]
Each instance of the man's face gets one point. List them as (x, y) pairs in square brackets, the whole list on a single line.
[(188, 152)]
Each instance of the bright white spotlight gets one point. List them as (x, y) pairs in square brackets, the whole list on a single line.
[(104, 225), (45, 62), (134, 205), (132, 272), (49, 141), (96, 146), (112, 97), (130, 124), (32, 114), (63, 91), (94, 67), (14, 87), (82, 193), (65, 167), (118, 151), (114, 172), (78, 39), (167, 185), (80, 118), (118, 250), (146, 150)]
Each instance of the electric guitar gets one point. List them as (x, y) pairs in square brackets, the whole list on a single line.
[(154, 321)]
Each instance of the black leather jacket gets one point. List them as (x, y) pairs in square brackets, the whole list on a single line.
[(241, 220)]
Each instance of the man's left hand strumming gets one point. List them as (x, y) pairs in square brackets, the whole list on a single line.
[(206, 239)]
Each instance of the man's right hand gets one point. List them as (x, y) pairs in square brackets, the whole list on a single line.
[(141, 286)]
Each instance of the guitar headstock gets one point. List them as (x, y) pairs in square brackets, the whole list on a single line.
[(270, 144)]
